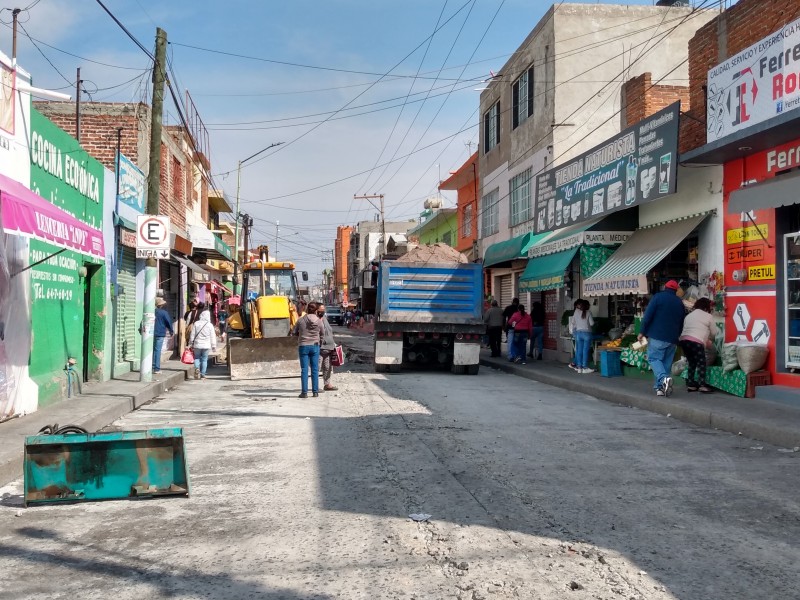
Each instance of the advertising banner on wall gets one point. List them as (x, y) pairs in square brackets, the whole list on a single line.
[(132, 188), (759, 83), (636, 166)]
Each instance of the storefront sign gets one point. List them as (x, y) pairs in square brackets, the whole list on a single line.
[(757, 84), (127, 238), (637, 166), (621, 285), (590, 238), (747, 234), (523, 228), (132, 184), (761, 273), (751, 253)]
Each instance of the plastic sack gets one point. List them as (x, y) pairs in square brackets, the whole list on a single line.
[(679, 366), (187, 357), (730, 362), (751, 357)]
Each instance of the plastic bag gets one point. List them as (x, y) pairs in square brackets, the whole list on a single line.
[(729, 360), (679, 366), (187, 357)]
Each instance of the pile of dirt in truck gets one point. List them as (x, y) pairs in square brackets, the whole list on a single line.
[(433, 253)]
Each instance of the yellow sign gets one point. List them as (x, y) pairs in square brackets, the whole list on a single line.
[(747, 234), (761, 273)]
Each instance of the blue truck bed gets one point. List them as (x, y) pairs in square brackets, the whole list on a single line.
[(449, 294)]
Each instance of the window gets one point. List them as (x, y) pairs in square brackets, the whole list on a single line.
[(491, 127), (490, 212), (466, 221), (447, 238), (522, 93), (520, 194)]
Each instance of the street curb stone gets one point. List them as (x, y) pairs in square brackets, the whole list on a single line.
[(751, 426)]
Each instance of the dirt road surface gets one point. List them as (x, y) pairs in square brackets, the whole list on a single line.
[(533, 492)]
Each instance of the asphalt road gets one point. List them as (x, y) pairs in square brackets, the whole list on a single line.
[(533, 492)]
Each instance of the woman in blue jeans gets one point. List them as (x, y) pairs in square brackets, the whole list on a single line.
[(582, 323), (310, 331), (202, 340)]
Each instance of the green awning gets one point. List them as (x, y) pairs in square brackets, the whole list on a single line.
[(546, 272), (512, 249)]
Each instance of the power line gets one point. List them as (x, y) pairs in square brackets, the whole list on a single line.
[(44, 56)]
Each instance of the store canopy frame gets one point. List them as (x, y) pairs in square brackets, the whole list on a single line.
[(546, 272), (513, 249), (626, 270), (189, 264), (773, 193)]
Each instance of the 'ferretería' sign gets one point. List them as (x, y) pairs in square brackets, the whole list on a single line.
[(637, 166), (758, 83)]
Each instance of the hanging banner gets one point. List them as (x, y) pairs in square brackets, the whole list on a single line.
[(132, 185), (638, 165), (759, 83)]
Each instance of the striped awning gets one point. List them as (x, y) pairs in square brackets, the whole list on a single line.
[(626, 271)]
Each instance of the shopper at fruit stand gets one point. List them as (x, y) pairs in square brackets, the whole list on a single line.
[(522, 326), (571, 328), (699, 331), (582, 323), (662, 325)]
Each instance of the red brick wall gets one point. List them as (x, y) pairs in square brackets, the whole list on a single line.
[(643, 99), (744, 24), (341, 249)]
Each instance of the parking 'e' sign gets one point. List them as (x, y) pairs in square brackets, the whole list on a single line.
[(152, 236)]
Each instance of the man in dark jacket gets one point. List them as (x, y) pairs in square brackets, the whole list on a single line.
[(495, 321), (662, 325), (509, 312), (162, 325)]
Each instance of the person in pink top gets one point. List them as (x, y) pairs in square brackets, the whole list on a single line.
[(522, 325), (699, 331)]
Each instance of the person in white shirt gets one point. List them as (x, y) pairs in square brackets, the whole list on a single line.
[(699, 331)]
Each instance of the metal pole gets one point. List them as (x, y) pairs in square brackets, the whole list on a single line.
[(153, 191), (236, 231), (78, 106), (14, 15), (277, 231)]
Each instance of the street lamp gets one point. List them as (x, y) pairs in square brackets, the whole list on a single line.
[(238, 186)]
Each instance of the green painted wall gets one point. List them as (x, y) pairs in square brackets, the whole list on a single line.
[(437, 228), (67, 307)]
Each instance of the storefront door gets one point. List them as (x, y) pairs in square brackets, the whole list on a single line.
[(552, 329)]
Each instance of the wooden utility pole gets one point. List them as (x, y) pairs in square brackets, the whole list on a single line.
[(369, 198), (153, 192)]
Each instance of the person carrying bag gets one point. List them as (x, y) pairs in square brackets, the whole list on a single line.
[(202, 340), (330, 353)]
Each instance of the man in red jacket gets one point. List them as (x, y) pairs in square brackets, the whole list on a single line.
[(522, 326)]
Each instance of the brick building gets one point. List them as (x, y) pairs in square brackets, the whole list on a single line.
[(465, 181), (340, 265)]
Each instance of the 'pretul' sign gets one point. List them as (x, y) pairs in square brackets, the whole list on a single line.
[(757, 84)]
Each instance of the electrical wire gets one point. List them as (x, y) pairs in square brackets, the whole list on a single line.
[(44, 56)]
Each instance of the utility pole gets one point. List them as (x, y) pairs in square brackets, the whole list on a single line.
[(14, 16), (369, 198), (277, 232), (153, 191), (78, 106), (247, 223)]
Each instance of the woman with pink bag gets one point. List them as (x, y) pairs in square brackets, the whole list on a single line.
[(202, 340)]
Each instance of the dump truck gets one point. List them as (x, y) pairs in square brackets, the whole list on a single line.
[(260, 344), (429, 313)]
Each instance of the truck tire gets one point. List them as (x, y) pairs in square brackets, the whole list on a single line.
[(394, 368), (380, 368), (458, 369), (473, 369)]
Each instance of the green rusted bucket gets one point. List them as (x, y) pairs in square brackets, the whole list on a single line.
[(105, 466)]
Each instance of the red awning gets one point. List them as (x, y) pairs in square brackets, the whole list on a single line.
[(28, 214)]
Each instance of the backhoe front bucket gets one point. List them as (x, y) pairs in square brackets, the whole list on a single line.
[(105, 466), (264, 358)]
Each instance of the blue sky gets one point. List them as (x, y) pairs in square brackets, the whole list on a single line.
[(249, 104)]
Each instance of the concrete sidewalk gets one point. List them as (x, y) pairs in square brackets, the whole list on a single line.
[(770, 422), (98, 406)]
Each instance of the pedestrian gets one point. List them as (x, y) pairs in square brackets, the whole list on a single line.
[(202, 340), (699, 331), (537, 339), (494, 327), (662, 325), (570, 326), (326, 350), (189, 317), (582, 323), (163, 324), (222, 315), (508, 312), (522, 325), (309, 329)]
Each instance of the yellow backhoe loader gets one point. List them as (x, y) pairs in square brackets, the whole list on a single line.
[(259, 341)]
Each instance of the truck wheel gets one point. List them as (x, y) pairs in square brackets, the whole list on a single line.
[(458, 369), (380, 368), (473, 369), (394, 368)]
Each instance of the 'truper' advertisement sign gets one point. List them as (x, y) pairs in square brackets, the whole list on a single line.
[(759, 83), (636, 166)]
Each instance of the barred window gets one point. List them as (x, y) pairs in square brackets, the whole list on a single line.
[(520, 195), (522, 94), (466, 222), (491, 127), (490, 213)]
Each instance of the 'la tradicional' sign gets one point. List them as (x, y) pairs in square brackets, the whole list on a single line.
[(759, 83), (636, 166)]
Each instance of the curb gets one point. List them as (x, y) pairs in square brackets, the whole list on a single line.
[(751, 426), (116, 407)]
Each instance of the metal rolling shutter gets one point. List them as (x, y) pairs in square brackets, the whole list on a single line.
[(127, 328), (506, 289)]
